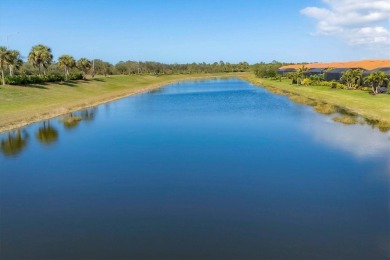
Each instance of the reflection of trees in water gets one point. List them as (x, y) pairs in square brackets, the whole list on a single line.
[(88, 114), (47, 134), (71, 121), (14, 142), (156, 90)]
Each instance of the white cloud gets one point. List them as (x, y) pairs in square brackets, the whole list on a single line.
[(358, 22)]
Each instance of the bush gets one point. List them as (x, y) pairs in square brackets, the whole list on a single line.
[(32, 79), (53, 78), (340, 86), (75, 76), (325, 84), (306, 82), (22, 79)]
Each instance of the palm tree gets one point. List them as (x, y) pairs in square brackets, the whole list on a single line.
[(293, 76), (4, 59), (375, 80), (14, 61), (84, 65), (67, 62), (40, 56), (352, 78), (301, 74)]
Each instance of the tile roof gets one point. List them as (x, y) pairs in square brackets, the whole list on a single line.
[(365, 64)]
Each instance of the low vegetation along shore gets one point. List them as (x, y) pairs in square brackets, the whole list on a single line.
[(354, 106), (23, 105)]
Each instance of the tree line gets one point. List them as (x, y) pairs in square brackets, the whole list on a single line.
[(41, 67)]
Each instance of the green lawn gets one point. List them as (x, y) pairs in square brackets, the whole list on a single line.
[(22, 105), (373, 107)]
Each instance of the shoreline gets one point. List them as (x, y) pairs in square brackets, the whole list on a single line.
[(299, 96), (113, 95), (99, 101)]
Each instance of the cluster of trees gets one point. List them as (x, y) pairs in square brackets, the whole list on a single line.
[(40, 67), (350, 79), (268, 70), (298, 76), (156, 68)]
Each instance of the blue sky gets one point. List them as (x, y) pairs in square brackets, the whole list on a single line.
[(184, 31)]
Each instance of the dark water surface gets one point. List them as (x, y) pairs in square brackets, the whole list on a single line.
[(205, 169)]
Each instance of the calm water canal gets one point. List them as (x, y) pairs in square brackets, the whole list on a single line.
[(204, 169)]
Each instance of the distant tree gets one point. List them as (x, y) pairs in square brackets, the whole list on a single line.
[(84, 65), (4, 60), (14, 61), (264, 70), (122, 67), (375, 80), (66, 62), (301, 74), (40, 56), (294, 76), (102, 67), (352, 78), (27, 68)]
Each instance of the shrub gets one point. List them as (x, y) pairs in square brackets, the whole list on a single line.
[(32, 79), (75, 76), (307, 82)]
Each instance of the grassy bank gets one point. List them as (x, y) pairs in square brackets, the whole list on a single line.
[(20, 106), (358, 102)]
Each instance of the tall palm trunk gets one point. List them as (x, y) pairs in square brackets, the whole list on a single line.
[(40, 69), (2, 76), (374, 88), (66, 73), (11, 70)]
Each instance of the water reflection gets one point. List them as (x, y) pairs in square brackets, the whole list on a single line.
[(156, 91), (71, 121), (88, 114), (14, 142), (47, 134), (349, 138)]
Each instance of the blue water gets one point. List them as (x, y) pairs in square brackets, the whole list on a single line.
[(203, 169)]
